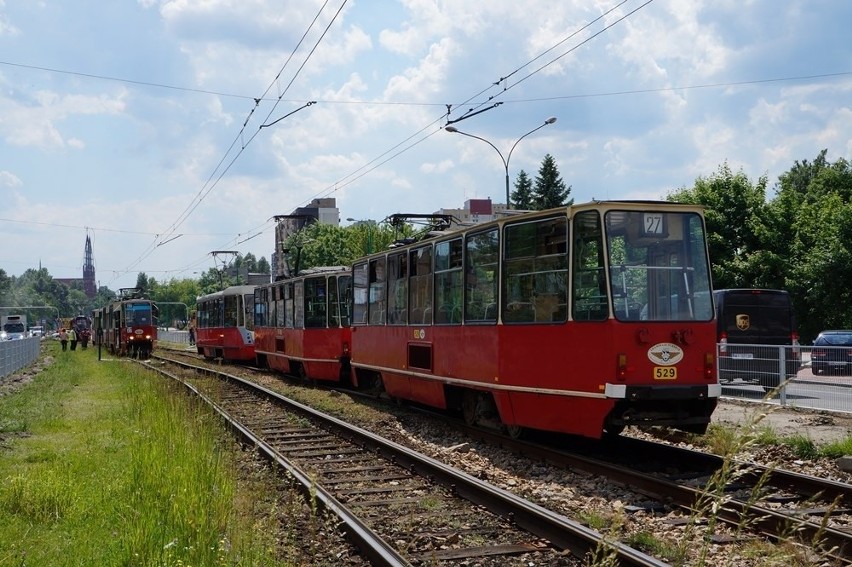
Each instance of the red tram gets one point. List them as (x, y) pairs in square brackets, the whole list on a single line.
[(82, 325), (128, 325), (302, 324), (225, 324), (582, 319)]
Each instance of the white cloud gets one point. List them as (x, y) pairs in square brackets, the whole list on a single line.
[(421, 83), (8, 179), (89, 148)]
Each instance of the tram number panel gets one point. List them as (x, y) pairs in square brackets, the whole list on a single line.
[(665, 373)]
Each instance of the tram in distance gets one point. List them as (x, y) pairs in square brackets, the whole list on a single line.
[(225, 324), (582, 319), (127, 325), (302, 324)]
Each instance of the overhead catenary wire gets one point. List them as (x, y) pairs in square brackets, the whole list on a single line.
[(211, 183), (337, 185), (398, 149)]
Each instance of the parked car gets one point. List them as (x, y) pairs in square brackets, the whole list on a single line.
[(832, 352)]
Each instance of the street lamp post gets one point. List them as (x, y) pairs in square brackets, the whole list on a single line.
[(506, 159)]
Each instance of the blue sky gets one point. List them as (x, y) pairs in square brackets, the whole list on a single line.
[(136, 122)]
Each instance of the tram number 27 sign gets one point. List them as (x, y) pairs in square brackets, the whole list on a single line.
[(653, 224)]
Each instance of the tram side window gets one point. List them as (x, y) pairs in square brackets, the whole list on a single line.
[(361, 288), (420, 286), (232, 310), (398, 289), (260, 295), (377, 300), (248, 310), (299, 305), (315, 302), (277, 306), (335, 307), (448, 282), (480, 300), (201, 315), (289, 310), (344, 299), (589, 301), (216, 312), (333, 303), (536, 271)]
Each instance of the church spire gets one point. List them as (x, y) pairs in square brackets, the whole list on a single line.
[(89, 286)]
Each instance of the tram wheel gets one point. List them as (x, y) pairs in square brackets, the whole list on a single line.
[(515, 431), (611, 430), (470, 401)]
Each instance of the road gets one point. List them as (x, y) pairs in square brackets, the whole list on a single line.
[(831, 393)]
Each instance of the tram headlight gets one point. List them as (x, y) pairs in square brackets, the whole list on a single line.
[(709, 366)]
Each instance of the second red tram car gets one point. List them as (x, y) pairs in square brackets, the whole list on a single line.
[(225, 324), (302, 324), (583, 319), (128, 325)]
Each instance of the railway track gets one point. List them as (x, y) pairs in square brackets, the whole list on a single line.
[(754, 500), (399, 507)]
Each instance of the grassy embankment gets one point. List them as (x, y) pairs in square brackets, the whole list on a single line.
[(101, 464)]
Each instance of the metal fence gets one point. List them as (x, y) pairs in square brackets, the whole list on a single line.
[(802, 377), (173, 336), (16, 354)]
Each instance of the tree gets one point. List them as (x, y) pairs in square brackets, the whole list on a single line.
[(263, 266), (813, 215), (144, 283), (5, 286), (213, 280), (550, 191), (735, 215), (522, 196), (171, 294)]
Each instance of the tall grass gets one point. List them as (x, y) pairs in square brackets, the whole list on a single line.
[(732, 443), (102, 464)]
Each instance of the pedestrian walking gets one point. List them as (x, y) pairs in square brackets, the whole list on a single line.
[(191, 335), (72, 338), (63, 338)]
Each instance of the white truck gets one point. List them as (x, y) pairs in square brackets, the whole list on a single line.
[(13, 327)]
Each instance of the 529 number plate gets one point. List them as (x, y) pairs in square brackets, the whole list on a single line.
[(665, 373)]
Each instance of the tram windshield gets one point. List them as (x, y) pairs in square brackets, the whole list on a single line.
[(658, 267), (137, 314)]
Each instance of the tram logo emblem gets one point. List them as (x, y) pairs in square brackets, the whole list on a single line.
[(665, 354), (743, 322)]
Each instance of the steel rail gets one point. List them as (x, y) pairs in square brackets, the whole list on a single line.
[(371, 544), (836, 543), (561, 531)]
